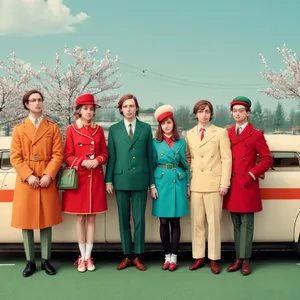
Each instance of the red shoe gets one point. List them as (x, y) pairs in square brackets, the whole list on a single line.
[(166, 265), (172, 267)]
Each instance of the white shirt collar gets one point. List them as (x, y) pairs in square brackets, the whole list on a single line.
[(133, 123), (39, 120), (242, 127)]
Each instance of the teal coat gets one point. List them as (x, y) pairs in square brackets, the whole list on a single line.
[(129, 166), (171, 184)]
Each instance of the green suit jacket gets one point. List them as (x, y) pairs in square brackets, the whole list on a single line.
[(129, 166)]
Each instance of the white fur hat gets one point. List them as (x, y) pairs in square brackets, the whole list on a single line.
[(163, 112)]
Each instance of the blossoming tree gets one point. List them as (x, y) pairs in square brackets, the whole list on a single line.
[(87, 74), (15, 78), (286, 83)]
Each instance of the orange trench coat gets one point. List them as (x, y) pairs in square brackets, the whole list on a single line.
[(36, 151)]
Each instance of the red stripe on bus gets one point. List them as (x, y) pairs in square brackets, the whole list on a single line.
[(6, 195), (266, 194), (280, 194)]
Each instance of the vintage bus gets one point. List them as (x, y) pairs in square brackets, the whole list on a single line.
[(278, 222)]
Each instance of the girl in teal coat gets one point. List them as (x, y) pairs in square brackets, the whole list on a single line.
[(172, 179)]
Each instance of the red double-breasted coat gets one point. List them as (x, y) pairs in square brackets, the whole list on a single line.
[(244, 195), (85, 143)]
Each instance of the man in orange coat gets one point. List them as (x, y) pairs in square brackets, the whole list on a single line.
[(243, 199), (36, 155)]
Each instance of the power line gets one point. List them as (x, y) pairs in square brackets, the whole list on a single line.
[(156, 75)]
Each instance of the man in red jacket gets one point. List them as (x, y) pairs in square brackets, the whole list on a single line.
[(243, 200)]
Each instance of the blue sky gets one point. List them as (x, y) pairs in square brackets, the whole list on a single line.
[(213, 43)]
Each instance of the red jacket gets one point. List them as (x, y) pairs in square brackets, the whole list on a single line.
[(81, 144), (244, 194)]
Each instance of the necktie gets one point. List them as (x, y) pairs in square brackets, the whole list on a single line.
[(130, 131), (36, 121), (202, 130), (238, 131)]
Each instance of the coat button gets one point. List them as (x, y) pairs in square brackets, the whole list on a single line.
[(174, 180), (133, 149), (243, 174), (92, 142), (133, 168), (201, 170), (202, 156), (133, 157), (243, 158), (89, 176), (233, 174), (162, 173)]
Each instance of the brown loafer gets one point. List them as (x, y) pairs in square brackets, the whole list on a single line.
[(215, 269), (198, 263), (138, 264), (246, 269), (125, 263), (237, 264)]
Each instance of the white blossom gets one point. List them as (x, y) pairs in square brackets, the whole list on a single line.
[(286, 83), (15, 80), (61, 86)]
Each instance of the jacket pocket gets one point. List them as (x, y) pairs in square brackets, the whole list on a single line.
[(181, 175), (158, 174), (118, 171)]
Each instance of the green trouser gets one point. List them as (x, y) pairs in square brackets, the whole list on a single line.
[(243, 224), (138, 203), (28, 239)]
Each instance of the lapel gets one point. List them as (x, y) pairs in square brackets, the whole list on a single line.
[(247, 132), (124, 132), (170, 152), (210, 133), (29, 129), (195, 137), (79, 128), (138, 129)]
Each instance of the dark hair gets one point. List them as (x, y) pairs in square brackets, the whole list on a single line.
[(159, 136), (28, 94), (127, 97), (200, 105)]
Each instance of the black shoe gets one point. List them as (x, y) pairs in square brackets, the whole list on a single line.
[(47, 267), (29, 269)]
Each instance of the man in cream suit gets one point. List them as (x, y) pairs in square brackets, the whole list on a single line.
[(209, 157)]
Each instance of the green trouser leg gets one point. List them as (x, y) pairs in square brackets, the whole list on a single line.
[(247, 229), (28, 240), (243, 234), (46, 238), (139, 202), (123, 202)]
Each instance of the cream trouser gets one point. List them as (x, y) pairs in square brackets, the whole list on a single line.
[(206, 206)]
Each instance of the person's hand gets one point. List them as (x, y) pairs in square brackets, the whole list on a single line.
[(154, 193), (93, 164), (223, 190), (45, 181), (84, 163), (109, 188), (188, 191), (33, 181)]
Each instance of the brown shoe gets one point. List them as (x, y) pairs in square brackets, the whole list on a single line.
[(124, 264), (215, 269), (138, 264), (198, 263), (237, 264), (246, 269)]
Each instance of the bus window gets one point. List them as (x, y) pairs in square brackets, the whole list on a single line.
[(286, 161), (5, 161)]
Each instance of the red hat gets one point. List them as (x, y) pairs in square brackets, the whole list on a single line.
[(163, 112), (86, 99)]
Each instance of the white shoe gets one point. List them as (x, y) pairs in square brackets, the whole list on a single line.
[(81, 264), (90, 264)]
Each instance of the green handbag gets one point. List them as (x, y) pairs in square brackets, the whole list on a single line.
[(67, 179)]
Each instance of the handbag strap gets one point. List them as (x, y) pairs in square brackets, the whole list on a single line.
[(71, 167)]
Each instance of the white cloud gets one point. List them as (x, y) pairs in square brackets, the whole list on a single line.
[(37, 17)]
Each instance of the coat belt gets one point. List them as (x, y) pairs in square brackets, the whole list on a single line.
[(169, 166), (37, 157)]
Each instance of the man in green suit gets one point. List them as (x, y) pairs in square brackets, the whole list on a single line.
[(130, 173)]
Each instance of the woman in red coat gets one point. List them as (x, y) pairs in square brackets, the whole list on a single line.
[(86, 151)]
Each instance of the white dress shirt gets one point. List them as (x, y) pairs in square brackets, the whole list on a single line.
[(36, 122), (133, 124), (206, 128), (242, 127)]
